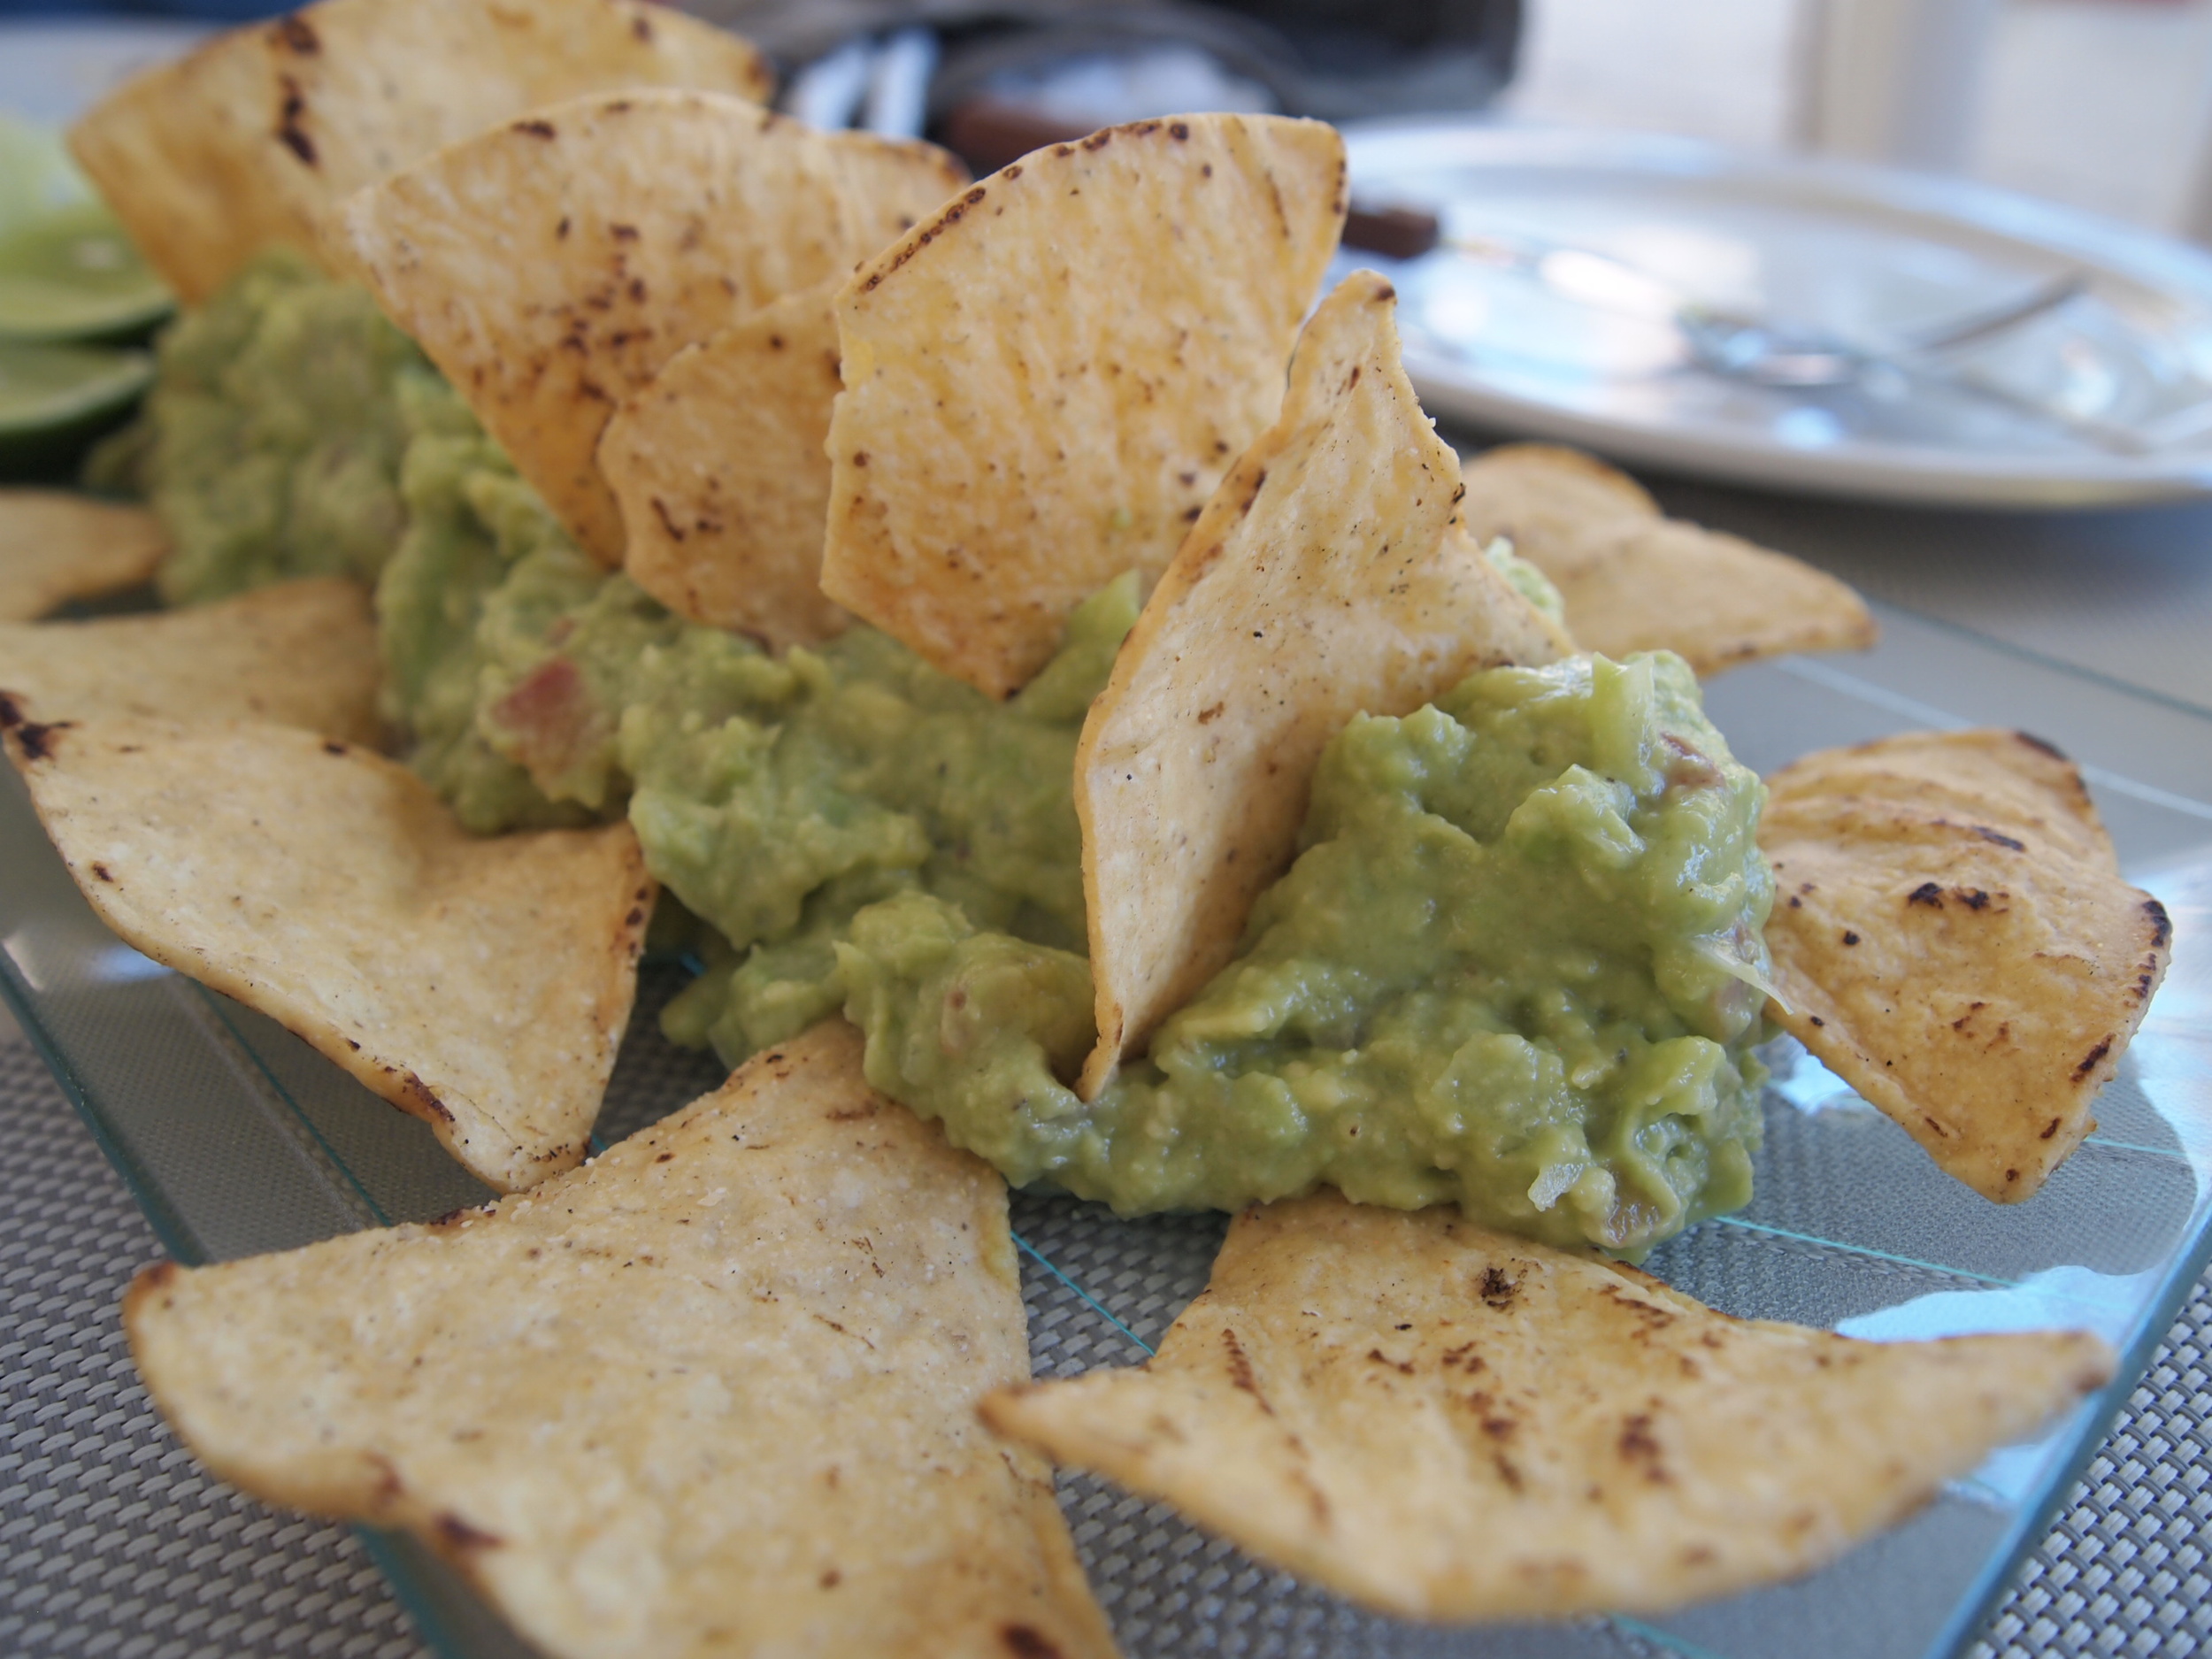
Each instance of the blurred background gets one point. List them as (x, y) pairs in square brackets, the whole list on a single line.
[(2101, 105)]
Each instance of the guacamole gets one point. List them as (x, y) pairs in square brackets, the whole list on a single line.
[(270, 442), (1518, 963)]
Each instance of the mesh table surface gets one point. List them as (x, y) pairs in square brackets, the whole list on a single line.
[(113, 1541)]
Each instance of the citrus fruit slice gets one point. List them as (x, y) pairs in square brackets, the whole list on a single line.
[(70, 273)]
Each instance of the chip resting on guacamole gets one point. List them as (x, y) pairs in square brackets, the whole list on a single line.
[(250, 140), (1045, 381), (551, 265), (298, 654), (1444, 1423), (712, 1395), (1316, 584), (481, 985), (1634, 579), (1953, 938)]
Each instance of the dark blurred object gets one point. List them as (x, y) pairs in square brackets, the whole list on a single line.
[(1330, 59)]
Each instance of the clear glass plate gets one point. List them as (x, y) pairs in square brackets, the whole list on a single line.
[(237, 1138)]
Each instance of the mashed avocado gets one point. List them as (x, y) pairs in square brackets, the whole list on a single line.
[(270, 442), (1517, 964)]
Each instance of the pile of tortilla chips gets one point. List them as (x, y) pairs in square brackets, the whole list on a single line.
[(725, 1388)]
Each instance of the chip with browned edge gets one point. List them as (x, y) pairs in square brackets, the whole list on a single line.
[(1634, 579), (550, 266), (299, 654), (1447, 1423), (717, 464), (1319, 583), (251, 139), (713, 1394), (57, 546), (1045, 381), (1952, 937), (480, 985)]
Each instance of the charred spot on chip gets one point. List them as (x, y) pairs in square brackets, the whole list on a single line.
[(1499, 1288), (296, 34), (12, 713), (2050, 749), (102, 871), (2162, 924), (458, 1534), (2090, 1060), (334, 747), (1025, 1641), (426, 1098), (534, 128), (288, 130), (1850, 938), (1996, 838), (1927, 893), (34, 740)]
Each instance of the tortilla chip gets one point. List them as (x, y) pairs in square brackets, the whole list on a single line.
[(551, 266), (1045, 382), (1952, 937), (1446, 1423), (299, 654), (718, 467), (56, 547), (1317, 584), (251, 139), (714, 1394), (479, 985), (1636, 580)]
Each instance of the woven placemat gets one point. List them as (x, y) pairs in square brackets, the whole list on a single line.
[(113, 1542)]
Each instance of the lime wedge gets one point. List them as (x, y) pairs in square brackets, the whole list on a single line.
[(46, 389), (70, 273)]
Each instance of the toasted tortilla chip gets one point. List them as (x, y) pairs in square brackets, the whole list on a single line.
[(719, 468), (1636, 580), (298, 654), (1044, 383), (713, 1395), (1446, 1423), (56, 547), (1952, 937), (1317, 584), (479, 985), (551, 266), (251, 139)]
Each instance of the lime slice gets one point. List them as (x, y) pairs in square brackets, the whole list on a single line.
[(46, 390), (70, 273)]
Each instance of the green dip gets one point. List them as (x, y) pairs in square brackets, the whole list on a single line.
[(270, 442), (1517, 964)]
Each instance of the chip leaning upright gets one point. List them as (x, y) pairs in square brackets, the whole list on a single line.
[(1045, 381)]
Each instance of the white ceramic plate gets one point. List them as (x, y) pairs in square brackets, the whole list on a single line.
[(1870, 253)]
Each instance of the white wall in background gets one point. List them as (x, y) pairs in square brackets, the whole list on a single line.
[(1719, 69), (2105, 105), (2101, 104)]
